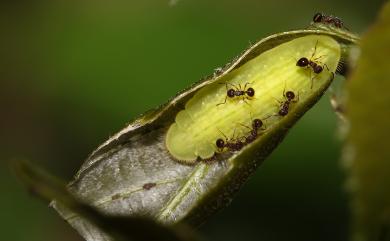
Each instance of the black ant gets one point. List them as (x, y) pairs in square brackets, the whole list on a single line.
[(254, 131), (232, 144), (285, 105), (238, 91), (313, 63), (335, 21)]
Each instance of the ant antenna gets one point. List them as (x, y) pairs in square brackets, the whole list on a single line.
[(222, 133), (284, 90), (315, 50)]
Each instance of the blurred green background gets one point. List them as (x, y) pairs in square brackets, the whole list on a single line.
[(73, 73)]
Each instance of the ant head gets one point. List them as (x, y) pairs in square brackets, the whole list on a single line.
[(250, 92), (318, 69), (220, 143), (303, 62), (257, 123), (318, 17), (230, 93), (290, 95)]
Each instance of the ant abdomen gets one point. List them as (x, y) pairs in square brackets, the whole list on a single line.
[(317, 69)]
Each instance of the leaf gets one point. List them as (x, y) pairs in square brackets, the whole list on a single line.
[(117, 228), (367, 154), (134, 173)]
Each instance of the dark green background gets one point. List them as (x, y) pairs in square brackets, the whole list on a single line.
[(73, 73)]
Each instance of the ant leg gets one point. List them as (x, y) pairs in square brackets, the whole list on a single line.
[(266, 118), (244, 98), (222, 133), (326, 66), (222, 103), (245, 126), (233, 85), (294, 58), (311, 79), (250, 115), (245, 86), (318, 58), (312, 83), (226, 85), (278, 101), (210, 160), (234, 133), (229, 84), (332, 75)]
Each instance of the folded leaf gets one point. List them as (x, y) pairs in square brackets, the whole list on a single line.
[(167, 164)]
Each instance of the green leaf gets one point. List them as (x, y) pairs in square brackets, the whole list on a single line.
[(134, 173), (116, 228), (367, 153)]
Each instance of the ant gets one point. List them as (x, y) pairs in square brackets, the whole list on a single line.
[(313, 63), (285, 105), (233, 144), (238, 91), (256, 125), (335, 21)]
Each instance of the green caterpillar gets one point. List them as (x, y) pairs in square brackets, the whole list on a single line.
[(207, 118)]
